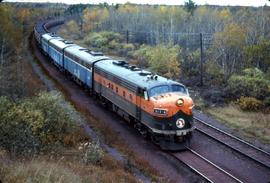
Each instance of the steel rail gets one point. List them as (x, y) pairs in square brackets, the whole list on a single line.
[(234, 138), (205, 177)]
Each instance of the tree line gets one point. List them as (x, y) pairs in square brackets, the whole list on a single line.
[(233, 38), (16, 24), (239, 36)]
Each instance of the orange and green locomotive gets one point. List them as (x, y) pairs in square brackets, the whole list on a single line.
[(160, 108)]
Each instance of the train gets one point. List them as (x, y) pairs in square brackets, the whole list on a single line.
[(159, 108)]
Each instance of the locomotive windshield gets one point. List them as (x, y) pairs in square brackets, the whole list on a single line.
[(165, 89), (179, 88), (159, 90)]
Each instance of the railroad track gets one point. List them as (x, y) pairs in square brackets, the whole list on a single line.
[(204, 168), (242, 147)]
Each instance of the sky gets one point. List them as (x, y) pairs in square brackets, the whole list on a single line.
[(168, 2)]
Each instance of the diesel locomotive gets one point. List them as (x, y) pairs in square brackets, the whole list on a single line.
[(159, 108)]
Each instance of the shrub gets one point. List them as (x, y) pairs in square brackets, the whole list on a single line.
[(250, 84), (191, 63), (266, 101), (95, 40), (143, 55), (32, 124), (15, 127), (127, 49), (56, 123), (114, 45), (93, 153), (250, 104), (112, 36), (104, 40), (214, 73), (162, 59)]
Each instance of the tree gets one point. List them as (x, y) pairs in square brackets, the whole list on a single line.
[(73, 29), (190, 6), (93, 17), (227, 48), (258, 55), (162, 59)]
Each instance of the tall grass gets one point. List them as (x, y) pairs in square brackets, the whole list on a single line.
[(39, 172), (249, 124)]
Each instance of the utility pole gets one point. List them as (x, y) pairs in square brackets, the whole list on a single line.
[(127, 36), (201, 66)]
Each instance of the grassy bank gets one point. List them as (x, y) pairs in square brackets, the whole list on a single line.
[(42, 141), (63, 167), (249, 124)]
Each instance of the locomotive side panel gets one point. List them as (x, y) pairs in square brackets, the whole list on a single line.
[(117, 94)]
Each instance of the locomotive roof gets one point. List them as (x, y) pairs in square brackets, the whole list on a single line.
[(85, 54), (50, 36), (134, 76), (61, 43)]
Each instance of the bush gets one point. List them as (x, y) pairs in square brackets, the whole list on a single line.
[(142, 55), (32, 124), (190, 65), (112, 36), (250, 84), (127, 49), (162, 59), (114, 45), (266, 101), (250, 104), (213, 96), (93, 153), (214, 73), (103, 40), (15, 127), (56, 123), (95, 40)]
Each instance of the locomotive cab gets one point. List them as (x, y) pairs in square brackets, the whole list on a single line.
[(172, 111)]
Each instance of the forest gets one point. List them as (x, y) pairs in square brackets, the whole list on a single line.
[(229, 46)]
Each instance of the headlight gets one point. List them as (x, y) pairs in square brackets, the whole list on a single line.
[(160, 111), (180, 102), (180, 123)]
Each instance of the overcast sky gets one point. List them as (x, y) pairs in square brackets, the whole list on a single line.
[(168, 2)]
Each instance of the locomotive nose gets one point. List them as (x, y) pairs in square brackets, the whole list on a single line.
[(171, 103), (185, 104)]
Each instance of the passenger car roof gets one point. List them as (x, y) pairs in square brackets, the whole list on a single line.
[(84, 54)]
